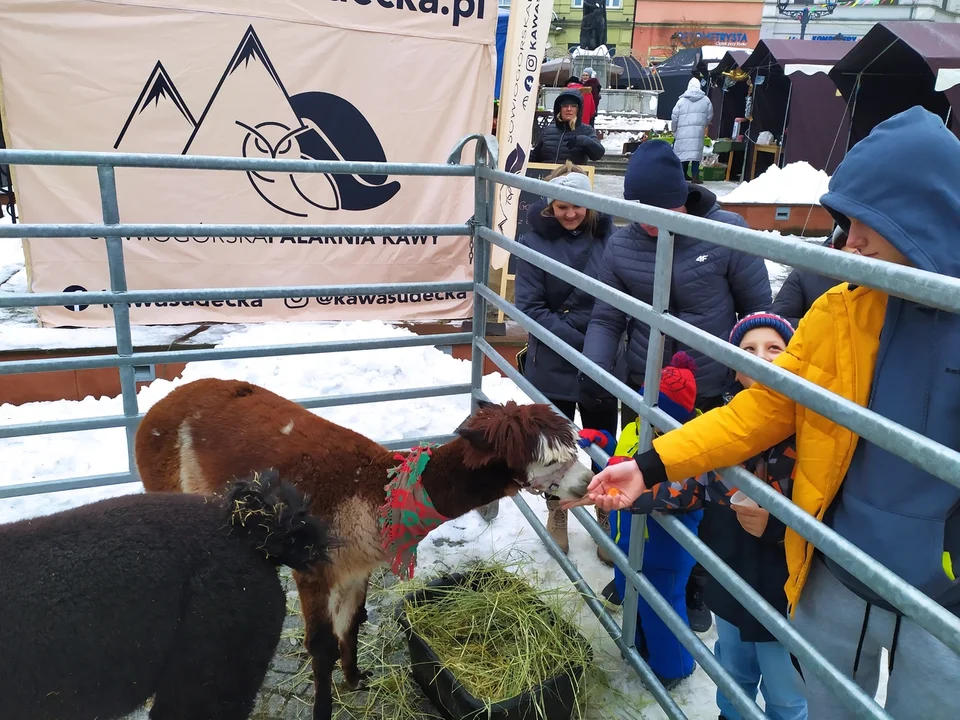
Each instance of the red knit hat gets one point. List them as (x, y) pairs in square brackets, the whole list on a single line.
[(678, 387)]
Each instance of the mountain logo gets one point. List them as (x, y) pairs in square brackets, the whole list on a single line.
[(75, 288), (250, 114)]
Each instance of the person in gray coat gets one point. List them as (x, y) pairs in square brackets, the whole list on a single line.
[(691, 117), (712, 287)]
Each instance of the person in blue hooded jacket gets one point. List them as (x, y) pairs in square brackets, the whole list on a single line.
[(712, 287), (575, 236), (897, 195)]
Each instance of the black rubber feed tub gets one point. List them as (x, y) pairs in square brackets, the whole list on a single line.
[(557, 696)]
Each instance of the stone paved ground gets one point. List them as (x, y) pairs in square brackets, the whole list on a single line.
[(287, 692)]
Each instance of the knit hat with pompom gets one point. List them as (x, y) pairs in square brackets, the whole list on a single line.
[(678, 387)]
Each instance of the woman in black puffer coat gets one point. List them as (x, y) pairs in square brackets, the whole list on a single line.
[(567, 137), (575, 236)]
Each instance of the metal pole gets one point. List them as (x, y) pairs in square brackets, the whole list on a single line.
[(853, 113), (121, 311), (482, 216), (662, 278), (783, 130), (804, 19)]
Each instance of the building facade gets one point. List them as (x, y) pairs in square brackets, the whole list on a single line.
[(565, 26), (663, 26), (852, 19)]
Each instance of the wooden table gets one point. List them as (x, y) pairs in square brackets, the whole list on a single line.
[(772, 149)]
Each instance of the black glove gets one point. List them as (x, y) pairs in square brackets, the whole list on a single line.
[(572, 142)]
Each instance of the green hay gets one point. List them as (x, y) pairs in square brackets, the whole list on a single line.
[(499, 638), (392, 694)]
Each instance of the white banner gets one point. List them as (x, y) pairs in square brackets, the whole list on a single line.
[(526, 43), (392, 80)]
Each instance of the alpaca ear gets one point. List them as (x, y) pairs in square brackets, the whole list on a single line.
[(477, 438)]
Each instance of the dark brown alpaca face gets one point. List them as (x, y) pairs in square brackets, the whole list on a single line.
[(534, 441)]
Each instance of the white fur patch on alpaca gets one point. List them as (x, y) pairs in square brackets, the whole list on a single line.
[(190, 473), (287, 429), (553, 451), (344, 601)]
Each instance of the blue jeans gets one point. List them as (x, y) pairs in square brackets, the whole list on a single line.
[(766, 665)]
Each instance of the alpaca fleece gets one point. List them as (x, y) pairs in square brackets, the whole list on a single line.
[(165, 596), (212, 429)]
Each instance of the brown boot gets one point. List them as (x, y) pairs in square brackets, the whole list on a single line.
[(557, 525), (603, 518)]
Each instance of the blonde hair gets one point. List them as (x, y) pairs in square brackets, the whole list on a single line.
[(590, 220)]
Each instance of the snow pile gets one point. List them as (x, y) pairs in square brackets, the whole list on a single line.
[(628, 122), (46, 457), (796, 184), (613, 141)]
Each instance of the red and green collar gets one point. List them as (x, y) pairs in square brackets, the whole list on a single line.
[(407, 514)]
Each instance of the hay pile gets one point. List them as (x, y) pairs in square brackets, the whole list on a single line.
[(498, 635), (392, 694)]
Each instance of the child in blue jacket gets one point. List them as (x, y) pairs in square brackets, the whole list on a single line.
[(665, 563)]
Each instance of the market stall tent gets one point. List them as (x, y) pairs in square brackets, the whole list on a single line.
[(898, 65), (795, 99), (728, 96)]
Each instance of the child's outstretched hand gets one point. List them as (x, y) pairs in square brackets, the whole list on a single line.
[(601, 438), (617, 487)]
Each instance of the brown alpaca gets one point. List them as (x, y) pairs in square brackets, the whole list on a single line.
[(206, 432)]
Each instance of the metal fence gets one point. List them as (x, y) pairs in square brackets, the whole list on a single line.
[(926, 288)]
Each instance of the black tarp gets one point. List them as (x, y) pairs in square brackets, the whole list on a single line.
[(634, 74), (729, 98), (675, 72), (796, 100), (895, 66)]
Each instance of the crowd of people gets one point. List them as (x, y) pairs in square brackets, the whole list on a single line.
[(895, 199)]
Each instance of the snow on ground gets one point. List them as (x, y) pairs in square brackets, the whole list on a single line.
[(797, 183), (628, 121), (21, 331), (613, 141), (103, 451)]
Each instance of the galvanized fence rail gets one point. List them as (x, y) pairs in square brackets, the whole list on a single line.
[(932, 290)]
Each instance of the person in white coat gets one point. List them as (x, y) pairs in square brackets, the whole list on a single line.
[(691, 116)]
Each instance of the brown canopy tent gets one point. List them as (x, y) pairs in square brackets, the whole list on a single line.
[(728, 97), (795, 99), (898, 65)]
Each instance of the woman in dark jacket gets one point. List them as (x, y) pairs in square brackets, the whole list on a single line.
[(567, 137), (575, 236), (802, 287)]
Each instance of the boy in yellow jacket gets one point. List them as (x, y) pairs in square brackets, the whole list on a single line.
[(896, 195)]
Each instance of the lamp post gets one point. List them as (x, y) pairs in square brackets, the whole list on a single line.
[(805, 15)]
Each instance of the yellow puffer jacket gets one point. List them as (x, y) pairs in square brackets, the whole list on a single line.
[(835, 347)]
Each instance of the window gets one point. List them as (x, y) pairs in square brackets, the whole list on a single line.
[(503, 3), (611, 4)]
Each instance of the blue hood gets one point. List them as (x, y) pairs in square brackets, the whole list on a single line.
[(903, 180)]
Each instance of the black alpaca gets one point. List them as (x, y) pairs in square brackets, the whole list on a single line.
[(165, 595)]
